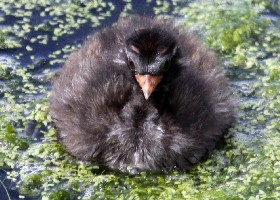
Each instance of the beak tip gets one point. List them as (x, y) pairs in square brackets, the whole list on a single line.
[(148, 83), (147, 95)]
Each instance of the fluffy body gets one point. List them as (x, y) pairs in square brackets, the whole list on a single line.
[(102, 115)]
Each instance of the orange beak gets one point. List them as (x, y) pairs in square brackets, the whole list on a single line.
[(148, 83)]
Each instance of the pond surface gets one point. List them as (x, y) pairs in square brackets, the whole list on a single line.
[(37, 36)]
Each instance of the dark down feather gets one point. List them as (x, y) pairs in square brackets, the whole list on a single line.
[(102, 115)]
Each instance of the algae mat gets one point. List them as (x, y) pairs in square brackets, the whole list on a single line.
[(37, 36)]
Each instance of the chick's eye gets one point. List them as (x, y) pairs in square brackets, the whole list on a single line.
[(166, 65), (131, 65)]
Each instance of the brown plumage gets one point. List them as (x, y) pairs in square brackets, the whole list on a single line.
[(141, 95)]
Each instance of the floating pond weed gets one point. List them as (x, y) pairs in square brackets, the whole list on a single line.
[(242, 32)]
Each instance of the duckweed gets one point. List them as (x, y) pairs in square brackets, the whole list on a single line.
[(243, 33)]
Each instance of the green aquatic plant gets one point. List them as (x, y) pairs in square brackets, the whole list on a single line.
[(246, 167), (8, 42), (249, 41), (226, 25)]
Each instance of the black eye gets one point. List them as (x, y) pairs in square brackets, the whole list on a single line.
[(131, 65), (166, 65)]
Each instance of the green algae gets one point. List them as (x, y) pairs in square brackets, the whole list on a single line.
[(256, 174), (247, 167), (6, 41)]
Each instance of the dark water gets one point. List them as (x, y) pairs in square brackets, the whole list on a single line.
[(13, 194)]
